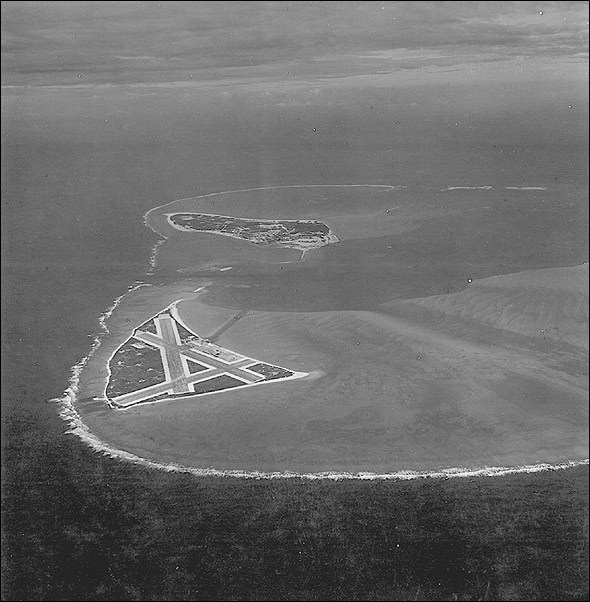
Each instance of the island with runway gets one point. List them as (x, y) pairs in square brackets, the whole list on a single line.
[(163, 359), (407, 346)]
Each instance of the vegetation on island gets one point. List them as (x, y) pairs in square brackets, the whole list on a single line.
[(134, 366), (298, 233)]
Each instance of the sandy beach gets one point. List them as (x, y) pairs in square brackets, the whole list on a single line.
[(389, 391), (409, 367), (284, 286)]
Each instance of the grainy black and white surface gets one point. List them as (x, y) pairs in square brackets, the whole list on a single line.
[(445, 146)]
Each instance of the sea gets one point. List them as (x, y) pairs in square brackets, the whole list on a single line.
[(82, 164)]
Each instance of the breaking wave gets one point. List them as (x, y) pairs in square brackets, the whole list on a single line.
[(77, 427), (524, 188), (450, 188), (467, 188)]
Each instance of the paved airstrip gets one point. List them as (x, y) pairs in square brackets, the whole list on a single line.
[(210, 360)]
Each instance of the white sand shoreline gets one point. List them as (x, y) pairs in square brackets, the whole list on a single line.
[(211, 194), (77, 427), (331, 237), (173, 309)]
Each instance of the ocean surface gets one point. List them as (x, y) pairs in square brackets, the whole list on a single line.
[(476, 116), (82, 165)]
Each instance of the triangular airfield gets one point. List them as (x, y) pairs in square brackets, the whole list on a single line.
[(164, 360)]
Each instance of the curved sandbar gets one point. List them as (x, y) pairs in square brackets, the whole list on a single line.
[(400, 389), (410, 369)]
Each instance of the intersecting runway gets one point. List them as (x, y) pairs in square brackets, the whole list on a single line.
[(177, 359)]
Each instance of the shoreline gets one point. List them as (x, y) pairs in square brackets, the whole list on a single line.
[(332, 238), (211, 194), (76, 426), (172, 307), (104, 397)]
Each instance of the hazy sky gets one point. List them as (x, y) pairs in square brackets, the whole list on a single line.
[(115, 42)]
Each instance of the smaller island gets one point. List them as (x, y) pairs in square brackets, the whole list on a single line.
[(295, 234)]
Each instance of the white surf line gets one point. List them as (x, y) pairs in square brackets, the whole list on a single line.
[(451, 188), (155, 247), (108, 314), (69, 414), (210, 194), (76, 370), (467, 188), (77, 427), (524, 188), (154, 255), (203, 196)]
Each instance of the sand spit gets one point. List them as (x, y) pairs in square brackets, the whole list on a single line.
[(467, 188)]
